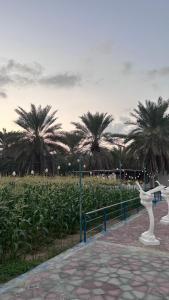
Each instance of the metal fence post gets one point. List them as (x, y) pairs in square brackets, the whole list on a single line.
[(80, 196), (155, 200), (105, 219), (125, 210), (84, 228)]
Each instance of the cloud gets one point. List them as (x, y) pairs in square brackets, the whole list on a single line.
[(155, 86), (61, 80), (12, 66), (5, 79), (18, 74), (164, 71), (99, 81), (15, 73), (119, 126), (105, 48), (3, 94), (124, 119), (127, 67), (102, 49)]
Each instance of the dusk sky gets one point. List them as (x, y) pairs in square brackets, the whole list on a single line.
[(82, 55)]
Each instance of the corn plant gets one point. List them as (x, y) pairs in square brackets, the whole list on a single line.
[(31, 212)]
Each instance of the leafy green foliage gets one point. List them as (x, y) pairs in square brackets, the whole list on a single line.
[(149, 140), (10, 269), (94, 139), (33, 148), (30, 213)]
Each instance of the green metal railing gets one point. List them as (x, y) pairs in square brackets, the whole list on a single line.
[(99, 218)]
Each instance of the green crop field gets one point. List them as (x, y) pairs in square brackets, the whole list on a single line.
[(36, 210)]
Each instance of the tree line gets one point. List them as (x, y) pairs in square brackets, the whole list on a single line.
[(41, 144)]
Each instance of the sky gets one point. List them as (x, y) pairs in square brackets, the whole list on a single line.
[(82, 55)]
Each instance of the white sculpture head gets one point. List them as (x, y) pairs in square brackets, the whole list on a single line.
[(147, 197)]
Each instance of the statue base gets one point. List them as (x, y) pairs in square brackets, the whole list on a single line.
[(148, 240), (165, 220)]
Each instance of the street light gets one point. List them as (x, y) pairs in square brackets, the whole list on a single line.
[(79, 160), (69, 165), (58, 168), (46, 171)]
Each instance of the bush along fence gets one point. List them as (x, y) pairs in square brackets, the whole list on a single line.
[(32, 214)]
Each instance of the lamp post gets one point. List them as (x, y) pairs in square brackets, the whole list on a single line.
[(58, 168), (13, 173), (120, 159), (46, 171), (69, 165), (79, 160)]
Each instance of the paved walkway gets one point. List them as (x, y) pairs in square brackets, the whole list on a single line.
[(113, 266)]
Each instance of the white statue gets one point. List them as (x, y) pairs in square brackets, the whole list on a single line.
[(165, 195), (148, 237)]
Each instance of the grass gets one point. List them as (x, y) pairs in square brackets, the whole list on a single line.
[(12, 268)]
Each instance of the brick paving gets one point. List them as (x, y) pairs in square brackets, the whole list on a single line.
[(128, 233), (112, 266)]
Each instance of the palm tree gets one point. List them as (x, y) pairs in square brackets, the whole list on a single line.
[(40, 138), (149, 140), (95, 138), (2, 141), (7, 157), (72, 142), (5, 140)]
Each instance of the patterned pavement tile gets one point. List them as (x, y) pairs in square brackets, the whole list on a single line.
[(113, 266)]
